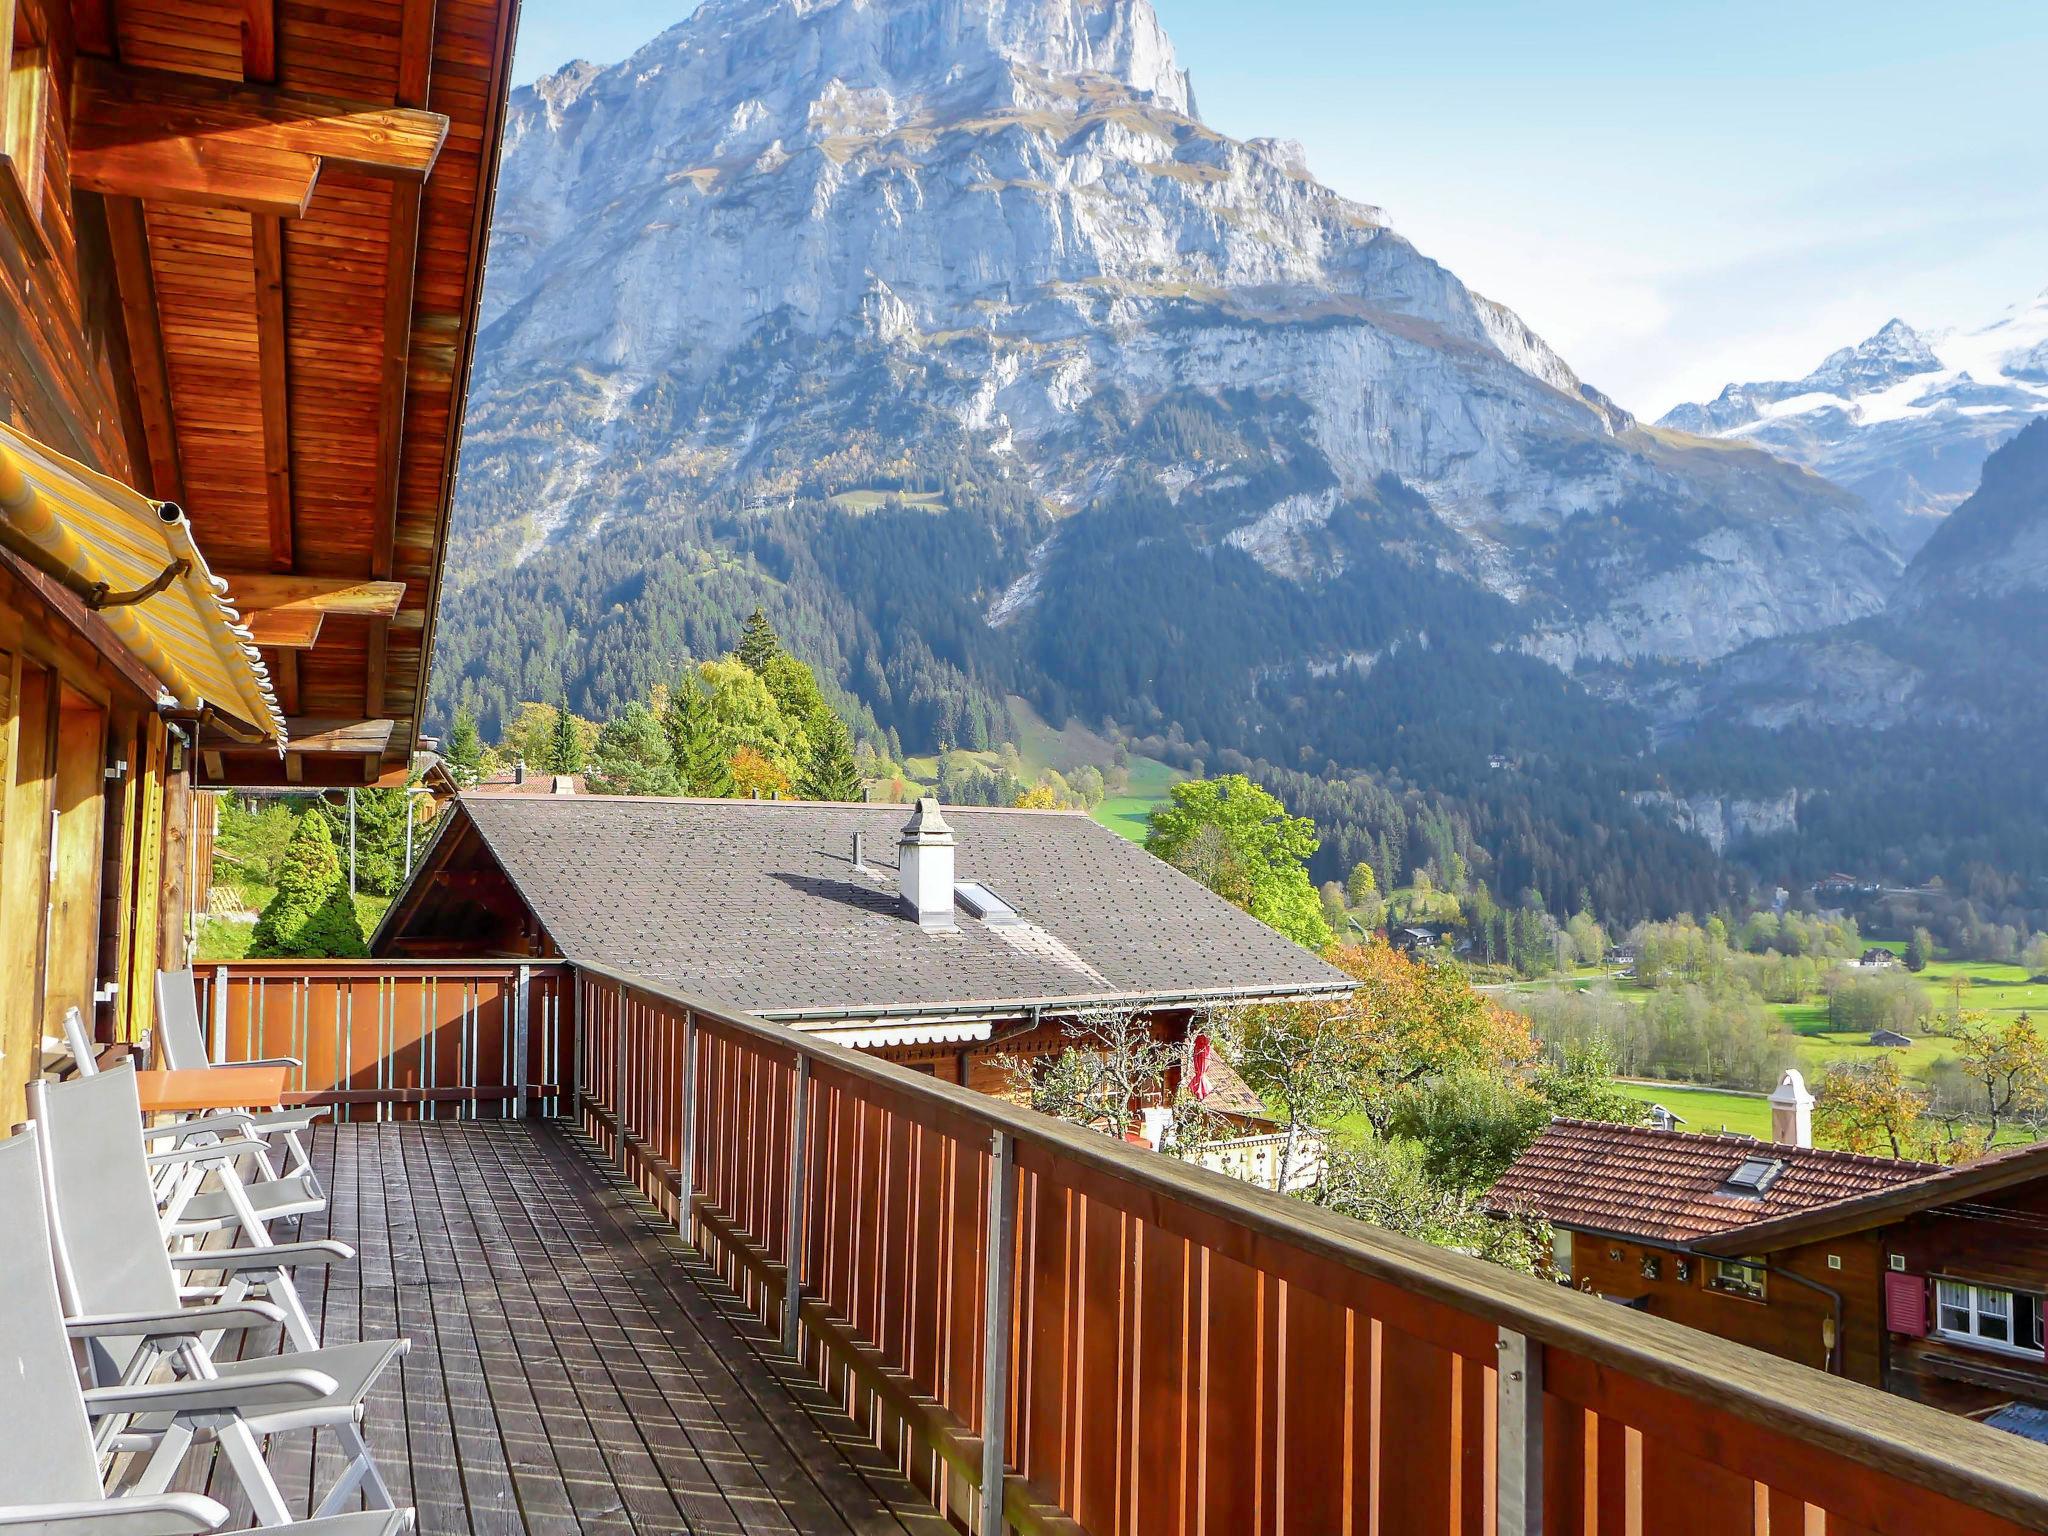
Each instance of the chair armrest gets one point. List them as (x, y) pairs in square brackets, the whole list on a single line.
[(264, 1061), (209, 1152), (211, 1123), (161, 1514), (245, 1392), (185, 1322), (318, 1252), (298, 1117)]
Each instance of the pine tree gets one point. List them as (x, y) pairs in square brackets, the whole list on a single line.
[(697, 749), (759, 643), (830, 774), (633, 756), (465, 754), (565, 743), (312, 915)]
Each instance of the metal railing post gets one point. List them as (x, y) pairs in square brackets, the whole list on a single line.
[(1518, 1463), (575, 989), (619, 1079), (220, 1014), (997, 1294), (686, 1159), (519, 1041), (793, 1240)]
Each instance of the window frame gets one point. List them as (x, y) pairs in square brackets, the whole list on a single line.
[(1753, 1286), (1969, 1337)]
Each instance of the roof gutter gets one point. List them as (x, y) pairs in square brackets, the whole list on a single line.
[(946, 1013)]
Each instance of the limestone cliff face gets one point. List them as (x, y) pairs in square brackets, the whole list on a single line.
[(1010, 212)]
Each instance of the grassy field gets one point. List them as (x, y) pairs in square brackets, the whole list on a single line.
[(1130, 813), (1707, 1109), (868, 501)]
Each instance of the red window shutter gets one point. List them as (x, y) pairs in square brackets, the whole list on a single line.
[(1905, 1304)]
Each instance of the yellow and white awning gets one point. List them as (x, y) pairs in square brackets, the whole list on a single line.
[(134, 561)]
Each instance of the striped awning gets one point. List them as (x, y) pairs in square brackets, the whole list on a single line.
[(133, 560)]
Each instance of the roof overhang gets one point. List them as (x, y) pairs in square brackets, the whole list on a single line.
[(133, 561), (1841, 1217), (1064, 1006), (960, 1032)]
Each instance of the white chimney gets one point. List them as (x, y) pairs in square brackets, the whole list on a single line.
[(924, 866), (1792, 1111)]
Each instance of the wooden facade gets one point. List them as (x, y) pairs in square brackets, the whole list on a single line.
[(1816, 1305), (1855, 1289), (241, 249)]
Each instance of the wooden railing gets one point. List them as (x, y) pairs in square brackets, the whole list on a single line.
[(1055, 1331), (384, 1040), (1090, 1336)]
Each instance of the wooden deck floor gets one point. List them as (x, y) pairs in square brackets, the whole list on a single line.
[(573, 1368)]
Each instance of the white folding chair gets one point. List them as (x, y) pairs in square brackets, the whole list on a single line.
[(183, 1044), (50, 1477), (111, 1260)]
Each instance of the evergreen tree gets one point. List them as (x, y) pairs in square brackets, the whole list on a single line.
[(465, 754), (380, 838), (697, 751), (1919, 950), (830, 774), (311, 916), (759, 643), (633, 756), (565, 743)]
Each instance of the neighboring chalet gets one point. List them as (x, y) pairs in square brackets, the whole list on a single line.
[(1925, 1281), (942, 942)]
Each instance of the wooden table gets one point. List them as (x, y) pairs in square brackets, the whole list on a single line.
[(211, 1088)]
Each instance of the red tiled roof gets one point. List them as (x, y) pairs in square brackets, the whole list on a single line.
[(1666, 1186)]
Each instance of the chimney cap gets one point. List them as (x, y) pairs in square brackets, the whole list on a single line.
[(926, 824), (1791, 1089)]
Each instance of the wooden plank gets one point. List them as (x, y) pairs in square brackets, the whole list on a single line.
[(266, 592), (259, 39), (129, 238), (200, 173), (267, 242), (119, 113), (285, 630)]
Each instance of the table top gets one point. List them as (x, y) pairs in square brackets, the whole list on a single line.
[(211, 1088)]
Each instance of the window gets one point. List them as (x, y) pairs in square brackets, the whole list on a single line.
[(1738, 1277), (1989, 1317), (1561, 1255), (24, 120), (1753, 1177)]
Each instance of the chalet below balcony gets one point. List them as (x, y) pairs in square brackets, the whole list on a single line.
[(574, 1192)]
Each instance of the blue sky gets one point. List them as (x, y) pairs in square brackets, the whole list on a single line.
[(1675, 196)]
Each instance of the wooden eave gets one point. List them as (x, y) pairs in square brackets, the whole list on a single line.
[(297, 210)]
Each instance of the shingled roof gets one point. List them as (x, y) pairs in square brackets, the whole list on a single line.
[(1669, 1186), (757, 904)]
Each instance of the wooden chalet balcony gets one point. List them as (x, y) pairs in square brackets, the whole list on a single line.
[(995, 1309)]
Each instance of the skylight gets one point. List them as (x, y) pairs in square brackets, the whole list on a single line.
[(1753, 1176), (985, 903)]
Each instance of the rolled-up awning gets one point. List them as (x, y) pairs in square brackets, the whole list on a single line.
[(133, 561)]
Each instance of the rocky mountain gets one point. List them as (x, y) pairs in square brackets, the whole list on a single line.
[(1962, 642), (1903, 419), (791, 245)]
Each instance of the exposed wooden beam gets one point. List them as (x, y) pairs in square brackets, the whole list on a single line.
[(209, 763), (310, 734), (284, 673), (286, 629), (259, 39), (401, 262), (294, 768), (203, 173), (316, 734), (265, 591), (92, 26), (117, 110), (267, 240), (129, 237)]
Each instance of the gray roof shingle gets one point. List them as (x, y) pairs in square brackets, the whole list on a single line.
[(756, 904)]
